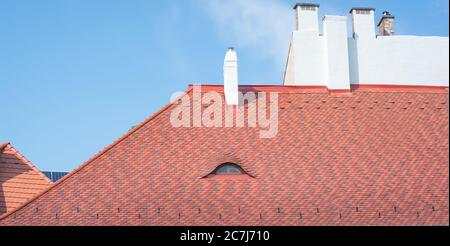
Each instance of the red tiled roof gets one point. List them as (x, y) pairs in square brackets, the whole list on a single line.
[(3, 145), (377, 156), (20, 180)]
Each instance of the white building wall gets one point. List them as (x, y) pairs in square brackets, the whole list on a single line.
[(400, 60), (337, 74), (390, 60), (307, 51), (353, 61), (289, 78)]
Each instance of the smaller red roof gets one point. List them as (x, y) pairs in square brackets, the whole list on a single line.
[(20, 180)]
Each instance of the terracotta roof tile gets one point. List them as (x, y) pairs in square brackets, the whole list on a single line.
[(20, 180), (378, 156), (3, 145)]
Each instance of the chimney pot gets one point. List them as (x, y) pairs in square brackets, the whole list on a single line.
[(361, 10), (306, 5)]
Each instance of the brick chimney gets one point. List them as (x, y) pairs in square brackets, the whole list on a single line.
[(386, 24)]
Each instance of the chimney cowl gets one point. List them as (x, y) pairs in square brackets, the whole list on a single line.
[(306, 5), (361, 8)]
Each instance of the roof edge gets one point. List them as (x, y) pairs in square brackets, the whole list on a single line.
[(267, 88), (95, 157), (403, 88), (3, 145), (325, 89), (25, 160)]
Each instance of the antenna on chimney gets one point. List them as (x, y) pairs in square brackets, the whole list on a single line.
[(230, 77)]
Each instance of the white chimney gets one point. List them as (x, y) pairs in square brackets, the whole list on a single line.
[(230, 77), (307, 17), (363, 21)]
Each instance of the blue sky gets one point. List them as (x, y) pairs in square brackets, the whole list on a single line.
[(77, 74)]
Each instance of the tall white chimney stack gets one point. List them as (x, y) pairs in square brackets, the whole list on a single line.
[(307, 17), (363, 21), (230, 77)]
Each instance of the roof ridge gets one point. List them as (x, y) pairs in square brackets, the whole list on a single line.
[(99, 154), (19, 155), (3, 145), (325, 89)]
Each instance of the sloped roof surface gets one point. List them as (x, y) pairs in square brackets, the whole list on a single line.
[(376, 157), (19, 179)]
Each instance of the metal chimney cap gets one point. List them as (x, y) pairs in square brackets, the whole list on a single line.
[(361, 8), (306, 5)]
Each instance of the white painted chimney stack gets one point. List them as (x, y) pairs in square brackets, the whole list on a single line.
[(363, 21), (307, 17), (230, 77), (337, 73)]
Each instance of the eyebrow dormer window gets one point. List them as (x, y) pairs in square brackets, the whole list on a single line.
[(228, 168)]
